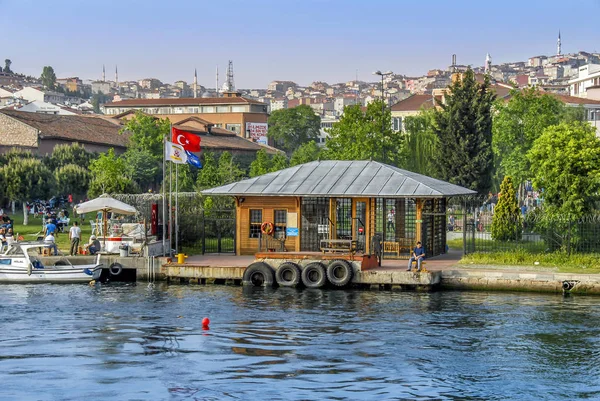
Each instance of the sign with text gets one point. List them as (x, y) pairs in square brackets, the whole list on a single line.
[(257, 132), (291, 232)]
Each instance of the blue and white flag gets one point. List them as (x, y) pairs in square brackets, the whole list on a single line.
[(193, 160)]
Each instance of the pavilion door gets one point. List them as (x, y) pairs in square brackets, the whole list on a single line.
[(360, 227)]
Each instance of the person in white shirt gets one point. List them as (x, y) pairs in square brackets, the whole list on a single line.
[(74, 236), (9, 236), (51, 243)]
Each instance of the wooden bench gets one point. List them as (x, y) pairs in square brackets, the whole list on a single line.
[(403, 244), (389, 246), (338, 245)]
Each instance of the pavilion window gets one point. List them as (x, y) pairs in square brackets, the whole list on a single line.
[(255, 222), (280, 222)]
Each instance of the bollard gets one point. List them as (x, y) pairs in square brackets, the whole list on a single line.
[(181, 257)]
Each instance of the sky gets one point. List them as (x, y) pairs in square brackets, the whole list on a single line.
[(302, 41)]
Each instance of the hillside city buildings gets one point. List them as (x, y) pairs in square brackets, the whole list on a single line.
[(573, 78)]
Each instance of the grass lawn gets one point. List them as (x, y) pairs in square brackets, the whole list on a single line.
[(35, 226), (533, 257)]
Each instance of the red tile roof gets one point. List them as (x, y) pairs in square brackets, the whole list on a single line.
[(414, 103), (502, 91), (84, 128), (574, 99), (189, 101)]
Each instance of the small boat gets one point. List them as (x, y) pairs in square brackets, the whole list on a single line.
[(20, 262)]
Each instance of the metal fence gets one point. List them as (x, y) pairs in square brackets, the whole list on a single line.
[(204, 227), (470, 226)]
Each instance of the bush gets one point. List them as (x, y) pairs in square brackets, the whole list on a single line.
[(506, 223)]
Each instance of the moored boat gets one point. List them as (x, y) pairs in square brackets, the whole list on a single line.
[(21, 263)]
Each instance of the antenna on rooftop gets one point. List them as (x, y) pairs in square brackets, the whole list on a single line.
[(229, 84)]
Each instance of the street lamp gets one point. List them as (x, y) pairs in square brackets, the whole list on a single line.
[(382, 74)]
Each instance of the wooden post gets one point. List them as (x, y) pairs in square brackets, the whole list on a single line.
[(419, 218), (238, 227), (299, 211)]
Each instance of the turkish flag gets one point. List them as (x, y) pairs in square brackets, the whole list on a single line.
[(189, 141)]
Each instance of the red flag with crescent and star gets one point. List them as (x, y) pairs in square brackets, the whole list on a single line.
[(189, 141)]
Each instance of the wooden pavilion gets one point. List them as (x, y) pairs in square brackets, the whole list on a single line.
[(330, 205)]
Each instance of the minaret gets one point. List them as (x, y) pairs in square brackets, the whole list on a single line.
[(558, 49), (103, 74), (116, 76), (488, 63), (217, 84), (195, 86)]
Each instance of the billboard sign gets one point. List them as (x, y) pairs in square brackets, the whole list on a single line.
[(257, 132)]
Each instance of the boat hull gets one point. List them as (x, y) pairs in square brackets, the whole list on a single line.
[(51, 274)]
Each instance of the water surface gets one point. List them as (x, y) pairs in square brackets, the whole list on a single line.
[(128, 342)]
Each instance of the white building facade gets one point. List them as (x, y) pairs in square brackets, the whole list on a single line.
[(588, 77)]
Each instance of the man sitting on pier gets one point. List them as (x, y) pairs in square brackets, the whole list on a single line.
[(418, 255)]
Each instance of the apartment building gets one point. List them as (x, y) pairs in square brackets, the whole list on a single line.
[(588, 77)]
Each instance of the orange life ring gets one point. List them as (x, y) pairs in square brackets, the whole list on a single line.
[(267, 228)]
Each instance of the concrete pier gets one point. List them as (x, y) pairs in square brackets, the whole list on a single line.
[(443, 273)]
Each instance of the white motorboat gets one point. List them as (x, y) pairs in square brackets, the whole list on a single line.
[(21, 263)]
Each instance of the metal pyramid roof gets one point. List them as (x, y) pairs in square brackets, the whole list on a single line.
[(335, 178)]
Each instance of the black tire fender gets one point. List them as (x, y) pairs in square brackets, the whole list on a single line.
[(259, 274), (288, 274), (115, 269), (339, 272), (314, 275)]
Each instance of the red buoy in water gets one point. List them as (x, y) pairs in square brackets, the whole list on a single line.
[(205, 322)]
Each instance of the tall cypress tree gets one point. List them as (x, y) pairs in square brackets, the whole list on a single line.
[(464, 128)]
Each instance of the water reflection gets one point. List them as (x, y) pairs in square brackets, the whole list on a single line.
[(131, 342)]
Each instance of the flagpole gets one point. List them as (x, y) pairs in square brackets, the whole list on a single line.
[(164, 197), (177, 208), (170, 207)]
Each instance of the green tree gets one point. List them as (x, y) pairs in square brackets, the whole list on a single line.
[(517, 124), (290, 128), (261, 165), (73, 153), (306, 153), (15, 153), (278, 162), (143, 168), (72, 179), (565, 162), (422, 143), (48, 78), (7, 64), (464, 129), (26, 180), (365, 135), (208, 176), (507, 224), (98, 99), (109, 175), (228, 170), (185, 178), (147, 134)]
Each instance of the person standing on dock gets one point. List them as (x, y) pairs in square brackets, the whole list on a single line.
[(418, 255), (74, 236)]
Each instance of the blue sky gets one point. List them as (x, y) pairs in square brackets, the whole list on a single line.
[(303, 41)]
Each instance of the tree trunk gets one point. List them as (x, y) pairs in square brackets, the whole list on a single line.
[(25, 214), (13, 207)]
